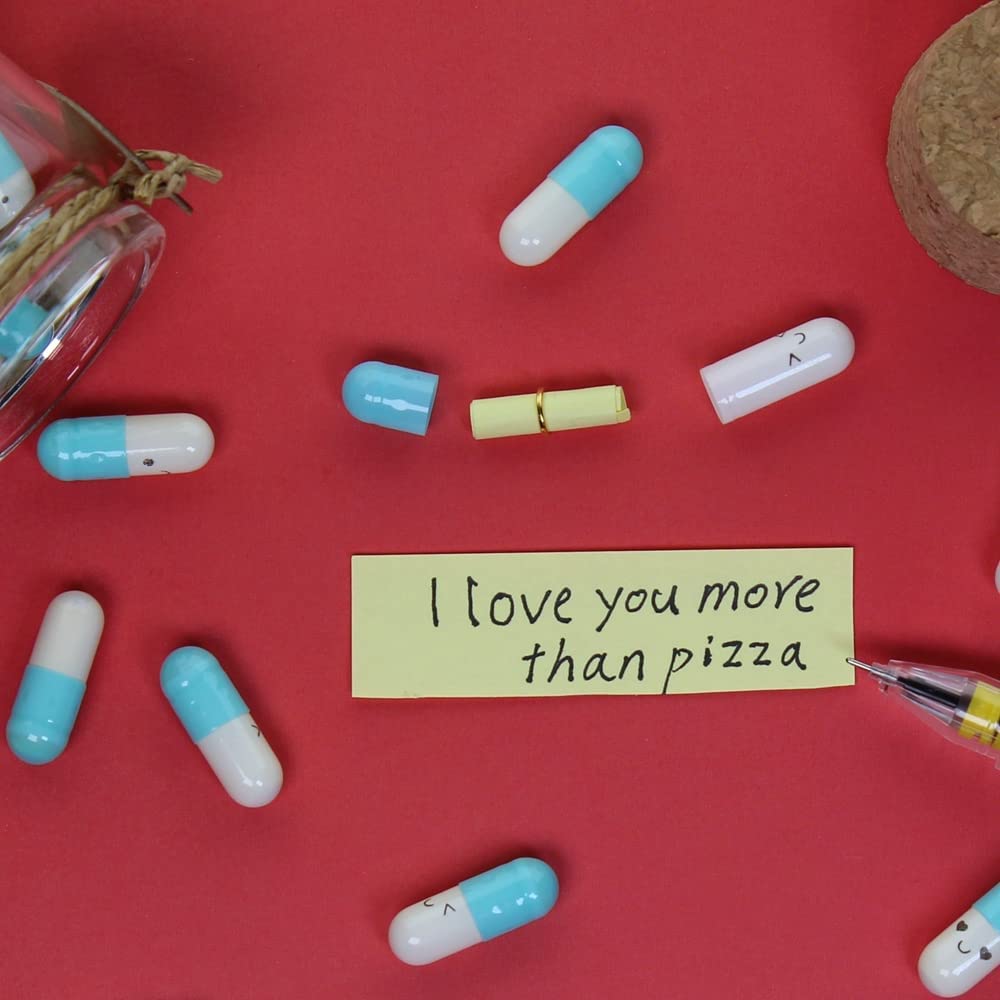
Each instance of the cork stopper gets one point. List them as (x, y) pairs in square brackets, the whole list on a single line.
[(944, 149)]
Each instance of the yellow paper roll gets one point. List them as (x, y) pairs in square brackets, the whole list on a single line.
[(562, 410)]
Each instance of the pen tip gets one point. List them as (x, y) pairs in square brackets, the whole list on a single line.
[(885, 675)]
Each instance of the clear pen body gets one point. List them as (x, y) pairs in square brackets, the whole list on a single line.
[(963, 706)]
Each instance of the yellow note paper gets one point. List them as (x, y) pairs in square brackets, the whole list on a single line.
[(505, 625)]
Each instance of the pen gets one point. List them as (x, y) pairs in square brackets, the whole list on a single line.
[(964, 707)]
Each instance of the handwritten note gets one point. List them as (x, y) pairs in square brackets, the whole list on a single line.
[(559, 623)]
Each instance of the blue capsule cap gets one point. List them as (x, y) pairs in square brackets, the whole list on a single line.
[(600, 168), (200, 691), (43, 715), (20, 324), (989, 907), (390, 396), (85, 448), (510, 896)]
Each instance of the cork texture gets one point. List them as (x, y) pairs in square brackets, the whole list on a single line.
[(944, 149)]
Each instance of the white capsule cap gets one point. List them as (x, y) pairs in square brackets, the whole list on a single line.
[(778, 367), (433, 929), (546, 220), (167, 443), (71, 630), (244, 762), (961, 956)]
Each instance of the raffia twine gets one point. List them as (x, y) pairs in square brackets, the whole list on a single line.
[(128, 184)]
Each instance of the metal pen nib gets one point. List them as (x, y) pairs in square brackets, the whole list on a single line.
[(874, 670)]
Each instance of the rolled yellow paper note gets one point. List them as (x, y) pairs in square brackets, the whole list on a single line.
[(538, 412)]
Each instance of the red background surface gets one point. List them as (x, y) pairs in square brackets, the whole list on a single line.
[(752, 846)]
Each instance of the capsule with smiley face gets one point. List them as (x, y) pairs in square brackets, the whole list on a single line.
[(220, 725), (476, 910), (158, 444), (966, 952)]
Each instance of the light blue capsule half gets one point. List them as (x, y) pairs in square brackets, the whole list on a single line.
[(200, 691), (10, 162), (510, 896), (399, 398), (989, 906), (43, 715), (85, 448), (19, 325), (600, 168)]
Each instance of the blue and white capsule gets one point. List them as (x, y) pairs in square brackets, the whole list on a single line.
[(478, 909), (966, 951), (16, 186), (218, 721), (575, 192), (55, 679), (121, 447)]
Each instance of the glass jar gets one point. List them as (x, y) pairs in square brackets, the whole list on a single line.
[(49, 152)]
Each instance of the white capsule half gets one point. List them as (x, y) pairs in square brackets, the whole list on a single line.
[(546, 220), (244, 762), (219, 722), (167, 444), (778, 367), (433, 928), (961, 956), (68, 639)]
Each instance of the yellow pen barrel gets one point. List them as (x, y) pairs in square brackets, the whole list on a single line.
[(963, 706), (980, 720)]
